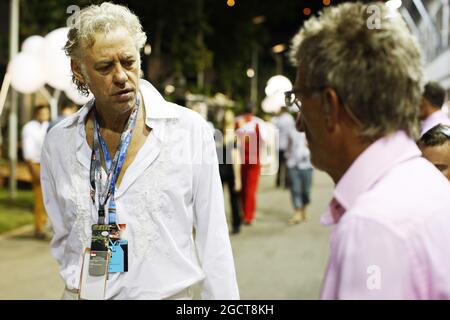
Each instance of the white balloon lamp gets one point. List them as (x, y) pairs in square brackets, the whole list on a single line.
[(56, 63), (33, 45), (27, 75), (73, 94)]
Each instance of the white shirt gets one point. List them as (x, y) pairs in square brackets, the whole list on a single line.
[(297, 153), (33, 135), (172, 186), (285, 124)]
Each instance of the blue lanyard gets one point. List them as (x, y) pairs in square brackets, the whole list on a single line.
[(113, 168)]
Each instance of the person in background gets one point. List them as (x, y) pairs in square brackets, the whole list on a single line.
[(300, 174), (250, 132), (431, 112), (285, 123), (229, 165), (358, 103), (435, 147), (33, 135), (67, 110)]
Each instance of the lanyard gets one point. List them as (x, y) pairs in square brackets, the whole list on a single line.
[(112, 168)]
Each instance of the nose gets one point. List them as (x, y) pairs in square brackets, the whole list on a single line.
[(299, 122), (120, 77)]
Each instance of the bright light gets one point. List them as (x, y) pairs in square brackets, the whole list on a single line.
[(277, 83), (250, 73), (169, 89), (279, 48), (147, 49), (258, 19), (394, 4), (230, 3)]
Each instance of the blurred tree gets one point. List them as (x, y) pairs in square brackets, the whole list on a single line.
[(192, 38)]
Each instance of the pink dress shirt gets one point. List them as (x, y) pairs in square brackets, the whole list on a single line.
[(392, 235), (434, 119)]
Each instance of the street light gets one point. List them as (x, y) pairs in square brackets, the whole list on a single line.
[(277, 50), (230, 3), (169, 89), (250, 73), (147, 49), (258, 19)]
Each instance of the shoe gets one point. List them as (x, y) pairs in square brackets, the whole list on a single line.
[(297, 217), (40, 235), (235, 231)]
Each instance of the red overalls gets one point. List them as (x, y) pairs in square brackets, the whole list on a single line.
[(248, 134)]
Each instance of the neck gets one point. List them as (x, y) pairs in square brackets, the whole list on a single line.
[(428, 110), (113, 122), (349, 153), (433, 110)]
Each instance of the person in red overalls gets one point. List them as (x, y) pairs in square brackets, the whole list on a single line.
[(249, 132)]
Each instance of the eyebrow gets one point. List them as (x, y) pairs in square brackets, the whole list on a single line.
[(127, 57), (109, 61), (101, 62)]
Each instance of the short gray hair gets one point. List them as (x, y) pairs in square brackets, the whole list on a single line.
[(378, 73), (100, 18)]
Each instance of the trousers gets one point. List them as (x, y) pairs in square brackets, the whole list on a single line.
[(250, 178), (40, 215)]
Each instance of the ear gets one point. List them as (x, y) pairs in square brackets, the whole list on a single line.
[(76, 70), (333, 108)]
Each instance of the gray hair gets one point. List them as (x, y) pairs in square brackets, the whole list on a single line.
[(377, 73), (100, 18)]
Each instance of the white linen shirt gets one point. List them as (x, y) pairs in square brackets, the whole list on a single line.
[(172, 186), (285, 124), (33, 135), (297, 153)]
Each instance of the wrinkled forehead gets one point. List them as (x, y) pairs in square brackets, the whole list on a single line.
[(114, 43)]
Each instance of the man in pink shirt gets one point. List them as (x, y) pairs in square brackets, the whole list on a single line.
[(431, 105), (359, 88)]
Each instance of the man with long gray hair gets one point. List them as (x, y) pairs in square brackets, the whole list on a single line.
[(129, 177), (360, 89)]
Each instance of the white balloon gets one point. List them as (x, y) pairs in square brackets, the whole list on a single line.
[(27, 75), (273, 103), (277, 83), (56, 63), (33, 45), (73, 94)]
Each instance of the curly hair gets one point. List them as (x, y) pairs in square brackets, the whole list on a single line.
[(100, 18)]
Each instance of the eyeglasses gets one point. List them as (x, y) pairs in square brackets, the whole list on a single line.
[(445, 130), (292, 97)]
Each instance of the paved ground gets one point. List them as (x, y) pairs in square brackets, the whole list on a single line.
[(273, 260)]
